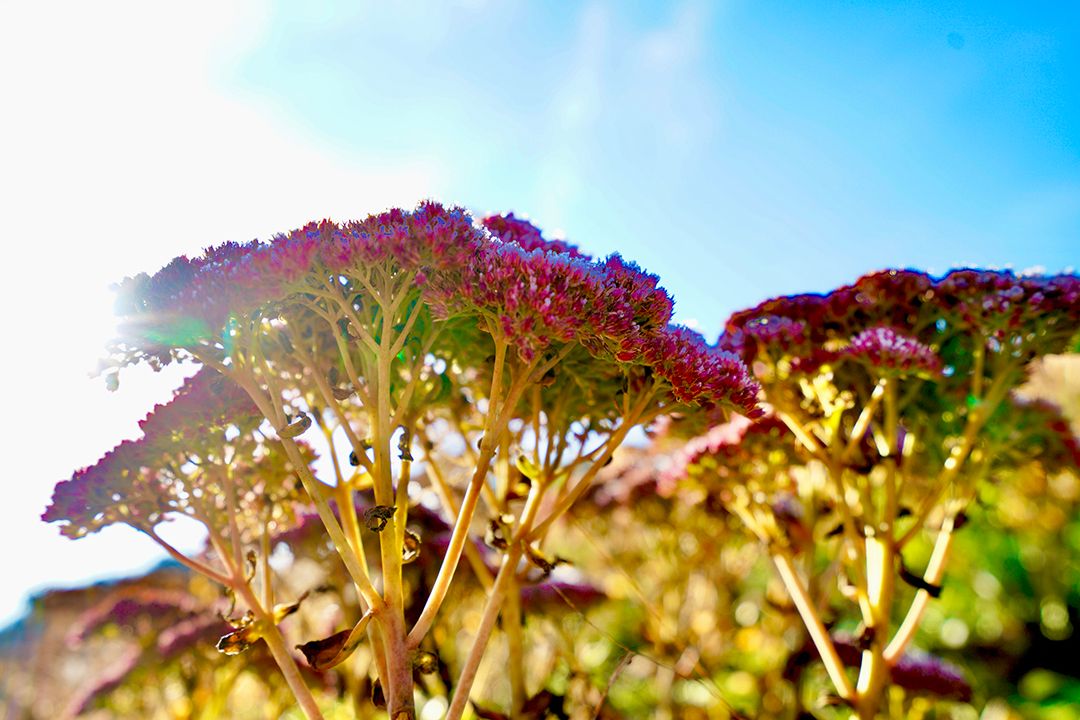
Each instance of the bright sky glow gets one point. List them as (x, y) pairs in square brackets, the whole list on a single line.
[(740, 150)]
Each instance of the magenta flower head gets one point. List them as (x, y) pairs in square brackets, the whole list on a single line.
[(929, 674), (736, 451), (206, 401), (190, 302), (105, 493), (698, 373), (138, 482), (1039, 430), (536, 297), (1039, 313), (916, 671), (198, 630), (555, 595), (522, 232), (157, 605), (113, 677), (885, 350)]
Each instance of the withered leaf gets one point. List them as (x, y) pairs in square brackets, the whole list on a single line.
[(376, 518), (341, 393), (283, 611), (296, 428), (334, 650), (410, 549), (237, 641), (498, 532)]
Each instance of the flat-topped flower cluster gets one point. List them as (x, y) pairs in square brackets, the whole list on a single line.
[(208, 427), (909, 312), (539, 292), (422, 324)]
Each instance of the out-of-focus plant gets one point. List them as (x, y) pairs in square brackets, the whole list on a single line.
[(890, 402), (437, 353)]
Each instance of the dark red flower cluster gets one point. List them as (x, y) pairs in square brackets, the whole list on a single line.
[(432, 237), (190, 299), (198, 630), (1002, 305), (552, 595), (536, 297), (1038, 429), (698, 373), (886, 349), (113, 677)]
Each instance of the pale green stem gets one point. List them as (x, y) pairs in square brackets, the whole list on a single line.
[(935, 571), (814, 626)]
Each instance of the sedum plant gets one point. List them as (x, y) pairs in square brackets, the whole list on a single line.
[(428, 356), (889, 403)]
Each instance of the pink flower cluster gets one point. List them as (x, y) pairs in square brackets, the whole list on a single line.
[(699, 373), (128, 605), (884, 348), (552, 595), (205, 401), (919, 672), (727, 449), (236, 278), (121, 486), (1039, 428), (1035, 314), (538, 292), (522, 232), (102, 494)]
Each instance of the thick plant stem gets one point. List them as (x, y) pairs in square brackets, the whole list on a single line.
[(515, 643), (272, 412), (873, 670), (503, 581), (483, 632), (934, 572), (341, 543), (398, 681), (495, 425), (273, 639), (880, 554), (271, 635), (446, 497), (814, 626)]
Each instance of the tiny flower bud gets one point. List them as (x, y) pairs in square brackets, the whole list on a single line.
[(425, 662)]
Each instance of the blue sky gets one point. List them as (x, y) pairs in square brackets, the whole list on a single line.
[(739, 150)]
